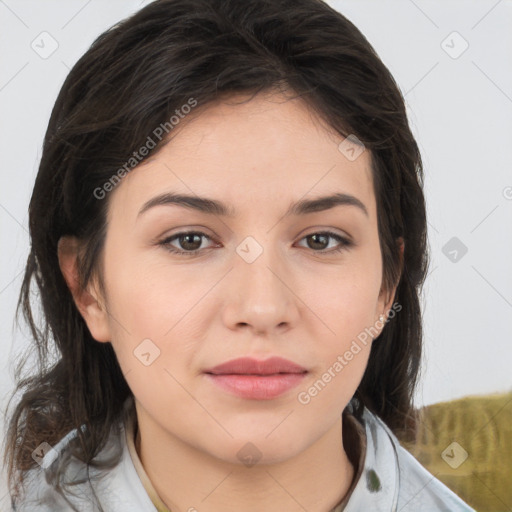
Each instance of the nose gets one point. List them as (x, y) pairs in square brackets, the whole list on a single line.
[(262, 292)]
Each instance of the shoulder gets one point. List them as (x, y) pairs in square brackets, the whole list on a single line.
[(404, 483), (117, 487), (39, 493)]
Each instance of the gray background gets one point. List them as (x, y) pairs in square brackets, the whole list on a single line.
[(460, 106)]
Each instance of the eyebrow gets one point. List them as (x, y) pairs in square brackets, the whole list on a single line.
[(214, 207)]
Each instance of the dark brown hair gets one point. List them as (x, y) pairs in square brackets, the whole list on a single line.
[(130, 81)]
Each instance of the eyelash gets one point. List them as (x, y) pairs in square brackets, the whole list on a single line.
[(344, 242)]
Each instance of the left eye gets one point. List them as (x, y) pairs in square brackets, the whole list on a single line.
[(191, 241), (320, 238)]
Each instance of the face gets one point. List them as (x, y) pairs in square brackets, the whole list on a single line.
[(259, 280)]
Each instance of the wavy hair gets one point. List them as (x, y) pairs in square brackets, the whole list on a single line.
[(131, 80)]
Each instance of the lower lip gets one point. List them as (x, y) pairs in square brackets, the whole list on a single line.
[(257, 387)]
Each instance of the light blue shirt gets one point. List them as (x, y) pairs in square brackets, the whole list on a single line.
[(392, 480)]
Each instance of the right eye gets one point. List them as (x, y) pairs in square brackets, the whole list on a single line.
[(190, 241)]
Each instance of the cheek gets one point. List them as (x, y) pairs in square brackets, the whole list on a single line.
[(154, 313), (149, 298), (329, 390), (345, 298), (345, 302)]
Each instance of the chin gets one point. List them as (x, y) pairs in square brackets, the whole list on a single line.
[(247, 450)]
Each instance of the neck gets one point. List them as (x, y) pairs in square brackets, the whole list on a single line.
[(187, 479)]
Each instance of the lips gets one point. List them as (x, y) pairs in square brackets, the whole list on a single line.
[(257, 380), (249, 366)]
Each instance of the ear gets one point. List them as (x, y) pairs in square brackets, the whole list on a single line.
[(387, 297), (88, 301)]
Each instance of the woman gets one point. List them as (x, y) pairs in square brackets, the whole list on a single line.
[(229, 238)]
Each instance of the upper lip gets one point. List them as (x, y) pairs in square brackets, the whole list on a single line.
[(250, 366)]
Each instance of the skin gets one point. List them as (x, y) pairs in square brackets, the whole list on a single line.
[(297, 300)]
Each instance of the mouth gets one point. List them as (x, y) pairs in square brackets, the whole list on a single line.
[(257, 380)]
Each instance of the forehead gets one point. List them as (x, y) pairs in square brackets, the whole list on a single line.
[(268, 151)]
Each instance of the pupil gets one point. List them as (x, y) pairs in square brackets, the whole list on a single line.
[(187, 240), (315, 240)]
